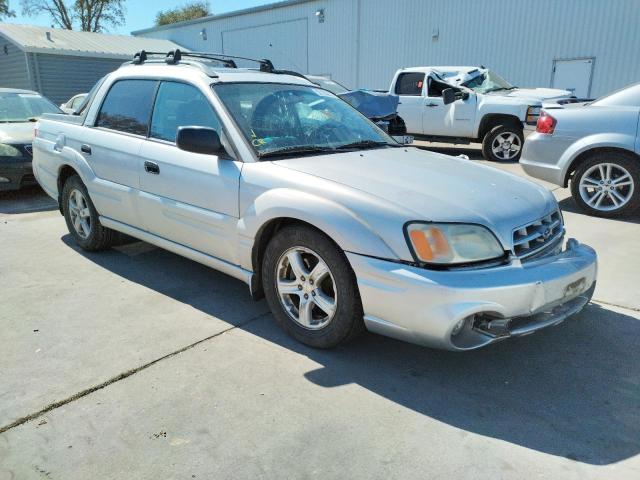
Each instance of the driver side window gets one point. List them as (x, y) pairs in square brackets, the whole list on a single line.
[(181, 105), (435, 88)]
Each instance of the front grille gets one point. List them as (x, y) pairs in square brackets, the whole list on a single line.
[(537, 236)]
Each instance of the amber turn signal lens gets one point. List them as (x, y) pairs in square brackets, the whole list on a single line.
[(430, 243)]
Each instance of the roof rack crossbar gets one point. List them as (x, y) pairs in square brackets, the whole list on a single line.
[(174, 56)]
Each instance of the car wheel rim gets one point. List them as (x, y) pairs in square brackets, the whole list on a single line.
[(606, 187), (506, 146), (79, 213), (306, 288)]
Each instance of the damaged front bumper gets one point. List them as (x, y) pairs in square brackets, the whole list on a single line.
[(468, 309)]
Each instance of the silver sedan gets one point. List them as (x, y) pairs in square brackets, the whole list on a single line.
[(594, 148)]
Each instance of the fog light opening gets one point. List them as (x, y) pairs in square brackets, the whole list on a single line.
[(457, 328)]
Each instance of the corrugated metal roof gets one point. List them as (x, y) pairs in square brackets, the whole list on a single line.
[(235, 13), (34, 39)]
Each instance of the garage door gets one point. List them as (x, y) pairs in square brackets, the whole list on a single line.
[(284, 43)]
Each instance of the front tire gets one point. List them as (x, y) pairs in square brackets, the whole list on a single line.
[(311, 288), (503, 143), (607, 184), (82, 218)]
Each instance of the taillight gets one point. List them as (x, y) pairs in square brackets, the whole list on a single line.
[(546, 123)]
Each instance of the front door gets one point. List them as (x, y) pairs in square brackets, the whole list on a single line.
[(188, 198), (453, 120)]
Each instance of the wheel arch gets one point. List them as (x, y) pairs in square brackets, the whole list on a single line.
[(275, 209), (491, 120), (586, 154), (64, 173)]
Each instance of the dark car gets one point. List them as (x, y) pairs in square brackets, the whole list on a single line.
[(19, 110)]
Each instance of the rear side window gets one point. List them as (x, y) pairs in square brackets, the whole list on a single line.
[(127, 106), (181, 105), (409, 83)]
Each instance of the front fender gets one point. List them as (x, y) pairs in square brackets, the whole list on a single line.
[(351, 232), (591, 142)]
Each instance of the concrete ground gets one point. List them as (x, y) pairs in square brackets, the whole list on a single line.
[(137, 363)]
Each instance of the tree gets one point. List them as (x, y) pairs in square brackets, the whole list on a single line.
[(88, 15), (4, 9), (189, 11)]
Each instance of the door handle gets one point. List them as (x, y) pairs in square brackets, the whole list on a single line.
[(85, 149), (151, 167), (431, 105)]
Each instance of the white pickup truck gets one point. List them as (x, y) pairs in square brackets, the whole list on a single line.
[(469, 104)]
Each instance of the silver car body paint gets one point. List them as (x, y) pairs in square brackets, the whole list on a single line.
[(580, 128), (360, 199)]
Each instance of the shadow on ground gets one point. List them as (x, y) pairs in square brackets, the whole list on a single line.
[(26, 200), (569, 205), (571, 391)]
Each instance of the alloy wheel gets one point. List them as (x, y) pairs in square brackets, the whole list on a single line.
[(606, 187), (506, 146), (79, 213), (306, 288)]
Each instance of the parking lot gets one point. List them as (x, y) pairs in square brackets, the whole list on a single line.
[(138, 363)]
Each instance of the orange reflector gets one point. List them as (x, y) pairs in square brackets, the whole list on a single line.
[(421, 244), (439, 242)]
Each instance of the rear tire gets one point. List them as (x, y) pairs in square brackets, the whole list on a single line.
[(604, 180), (82, 218), (503, 143), (321, 314)]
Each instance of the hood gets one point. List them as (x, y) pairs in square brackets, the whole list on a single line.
[(436, 187), (372, 104), (533, 94), (17, 133)]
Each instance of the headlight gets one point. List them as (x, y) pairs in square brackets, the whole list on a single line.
[(7, 150), (452, 243), (532, 115)]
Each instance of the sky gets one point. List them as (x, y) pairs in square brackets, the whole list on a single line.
[(140, 13)]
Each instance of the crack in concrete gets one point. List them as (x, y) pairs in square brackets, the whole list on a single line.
[(122, 376)]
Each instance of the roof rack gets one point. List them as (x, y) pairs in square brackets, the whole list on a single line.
[(174, 56)]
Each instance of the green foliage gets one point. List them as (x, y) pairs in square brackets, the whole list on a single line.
[(4, 9), (87, 15), (189, 11)]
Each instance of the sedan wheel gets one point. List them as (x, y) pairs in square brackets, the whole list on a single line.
[(607, 184), (606, 187), (306, 288)]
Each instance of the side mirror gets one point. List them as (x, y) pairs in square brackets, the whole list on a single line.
[(448, 96), (200, 140)]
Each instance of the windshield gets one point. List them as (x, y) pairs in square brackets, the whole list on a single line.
[(488, 82), (277, 118), (22, 107)]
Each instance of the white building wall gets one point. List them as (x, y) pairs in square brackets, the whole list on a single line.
[(362, 42)]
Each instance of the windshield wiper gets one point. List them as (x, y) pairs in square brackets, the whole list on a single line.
[(362, 144), (301, 150)]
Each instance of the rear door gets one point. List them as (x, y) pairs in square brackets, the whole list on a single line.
[(410, 88), (188, 198), (111, 148)]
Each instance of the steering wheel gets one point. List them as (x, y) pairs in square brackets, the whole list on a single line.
[(326, 133)]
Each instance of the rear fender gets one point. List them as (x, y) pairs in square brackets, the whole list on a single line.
[(571, 156)]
